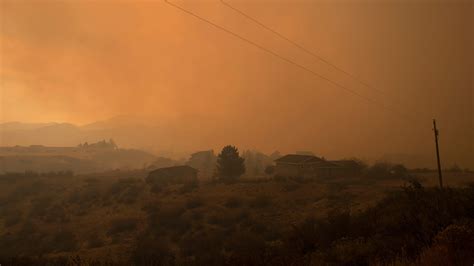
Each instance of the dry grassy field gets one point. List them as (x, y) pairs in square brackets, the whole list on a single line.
[(107, 214)]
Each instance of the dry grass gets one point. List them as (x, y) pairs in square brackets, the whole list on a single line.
[(89, 206)]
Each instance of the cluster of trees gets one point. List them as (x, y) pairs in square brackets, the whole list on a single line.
[(254, 162), (229, 166), (103, 144)]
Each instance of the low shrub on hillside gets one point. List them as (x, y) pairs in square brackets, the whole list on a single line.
[(85, 197), (64, 241), (56, 213), (151, 250), (226, 219), (95, 241), (403, 224), (156, 188), (454, 245), (125, 190), (291, 186), (166, 219), (189, 187), (24, 191), (40, 206), (122, 225), (234, 202), (384, 170), (194, 202), (12, 217), (209, 250), (260, 202)]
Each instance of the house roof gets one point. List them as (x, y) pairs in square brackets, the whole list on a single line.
[(347, 163), (175, 169), (298, 159), (208, 152)]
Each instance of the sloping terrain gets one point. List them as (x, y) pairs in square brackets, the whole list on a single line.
[(117, 216)]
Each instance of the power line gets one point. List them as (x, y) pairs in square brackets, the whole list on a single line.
[(299, 46), (313, 54), (287, 60)]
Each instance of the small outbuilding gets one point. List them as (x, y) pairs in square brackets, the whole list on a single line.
[(349, 167), (298, 165), (181, 174)]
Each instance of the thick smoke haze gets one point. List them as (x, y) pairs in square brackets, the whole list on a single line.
[(86, 61)]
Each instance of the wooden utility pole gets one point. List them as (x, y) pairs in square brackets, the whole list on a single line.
[(436, 133)]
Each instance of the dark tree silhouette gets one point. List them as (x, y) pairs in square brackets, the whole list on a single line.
[(270, 169), (230, 165)]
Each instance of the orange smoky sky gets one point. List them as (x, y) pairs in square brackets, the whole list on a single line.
[(83, 61)]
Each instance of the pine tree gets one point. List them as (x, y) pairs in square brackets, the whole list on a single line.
[(230, 165)]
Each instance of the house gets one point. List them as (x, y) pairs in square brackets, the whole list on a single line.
[(182, 174), (349, 167), (298, 165), (205, 162)]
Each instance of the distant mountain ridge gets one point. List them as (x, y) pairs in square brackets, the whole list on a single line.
[(23, 126), (84, 158), (48, 134), (166, 136)]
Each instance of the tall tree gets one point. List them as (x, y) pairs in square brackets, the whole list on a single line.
[(230, 165)]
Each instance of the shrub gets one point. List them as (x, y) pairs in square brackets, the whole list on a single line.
[(164, 219), (452, 246), (245, 244), (233, 202), (85, 196), (23, 191), (269, 169), (291, 186), (379, 170), (151, 250), (383, 170), (122, 225), (91, 181), (130, 195), (95, 241), (156, 188), (122, 185), (40, 207), (402, 224), (194, 202), (125, 190), (209, 249), (64, 241), (56, 213), (189, 187), (280, 178), (12, 217), (228, 219), (260, 201)]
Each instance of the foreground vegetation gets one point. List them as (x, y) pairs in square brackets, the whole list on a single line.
[(116, 218)]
